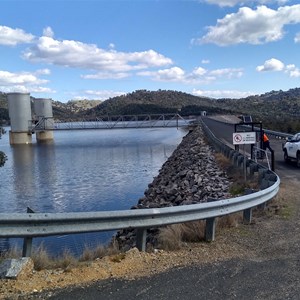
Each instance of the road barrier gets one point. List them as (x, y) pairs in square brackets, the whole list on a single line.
[(31, 225)]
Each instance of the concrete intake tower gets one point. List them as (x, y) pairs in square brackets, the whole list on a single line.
[(22, 122)]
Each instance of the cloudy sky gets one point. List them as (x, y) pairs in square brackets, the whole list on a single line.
[(96, 49)]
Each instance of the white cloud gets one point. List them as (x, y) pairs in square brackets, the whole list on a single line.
[(12, 37), (295, 73), (48, 32), (100, 94), (199, 71), (25, 89), (43, 72), (24, 78), (198, 75), (205, 61), (272, 64), (173, 74), (75, 54), (275, 65), (227, 73), (24, 82), (106, 75), (292, 71), (222, 94), (242, 2), (297, 38), (258, 26), (39, 89)]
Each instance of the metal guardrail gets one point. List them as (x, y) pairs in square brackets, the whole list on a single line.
[(277, 134), (32, 225)]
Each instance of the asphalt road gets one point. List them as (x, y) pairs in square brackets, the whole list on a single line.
[(272, 276), (233, 279)]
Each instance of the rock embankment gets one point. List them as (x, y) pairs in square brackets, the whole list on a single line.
[(191, 175)]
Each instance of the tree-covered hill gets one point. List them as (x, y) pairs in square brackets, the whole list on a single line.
[(278, 110), (152, 102)]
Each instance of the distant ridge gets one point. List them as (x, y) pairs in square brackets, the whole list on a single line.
[(278, 110)]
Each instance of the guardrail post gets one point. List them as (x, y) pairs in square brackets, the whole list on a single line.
[(247, 216), (27, 242), (253, 168), (210, 229), (247, 213), (210, 226), (272, 161), (141, 237)]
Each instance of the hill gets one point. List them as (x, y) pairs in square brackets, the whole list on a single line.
[(278, 110), (152, 102)]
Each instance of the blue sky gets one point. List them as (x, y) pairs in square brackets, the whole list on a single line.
[(99, 49)]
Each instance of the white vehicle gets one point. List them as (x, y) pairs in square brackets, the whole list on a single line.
[(291, 149)]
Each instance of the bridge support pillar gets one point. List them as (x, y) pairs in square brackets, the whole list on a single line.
[(17, 138), (44, 136)]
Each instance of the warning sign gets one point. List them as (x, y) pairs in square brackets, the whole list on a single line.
[(240, 138)]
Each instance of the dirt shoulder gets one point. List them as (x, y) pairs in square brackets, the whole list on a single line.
[(273, 234)]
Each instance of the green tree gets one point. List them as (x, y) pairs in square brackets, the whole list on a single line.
[(3, 158)]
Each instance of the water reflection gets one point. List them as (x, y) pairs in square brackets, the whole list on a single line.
[(90, 170), (24, 183)]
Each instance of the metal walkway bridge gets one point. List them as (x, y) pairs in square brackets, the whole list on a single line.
[(112, 122)]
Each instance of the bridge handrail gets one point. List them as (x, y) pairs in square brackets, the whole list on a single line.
[(111, 122), (33, 225)]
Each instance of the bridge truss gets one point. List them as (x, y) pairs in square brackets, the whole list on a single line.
[(112, 122)]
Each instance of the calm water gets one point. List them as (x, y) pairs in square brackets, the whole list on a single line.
[(82, 170)]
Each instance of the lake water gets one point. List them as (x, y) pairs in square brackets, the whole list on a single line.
[(82, 170)]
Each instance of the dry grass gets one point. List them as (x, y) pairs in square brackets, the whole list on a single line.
[(285, 203), (175, 237), (232, 220), (223, 162), (170, 237), (236, 176), (99, 251), (12, 253), (43, 260)]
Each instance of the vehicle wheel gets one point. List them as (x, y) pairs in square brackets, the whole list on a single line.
[(298, 160), (285, 157)]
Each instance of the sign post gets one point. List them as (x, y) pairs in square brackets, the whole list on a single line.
[(243, 138)]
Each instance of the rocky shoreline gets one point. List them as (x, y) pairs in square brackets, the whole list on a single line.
[(191, 175)]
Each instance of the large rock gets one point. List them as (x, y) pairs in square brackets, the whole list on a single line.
[(16, 268)]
